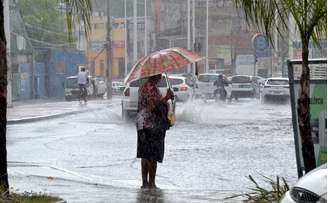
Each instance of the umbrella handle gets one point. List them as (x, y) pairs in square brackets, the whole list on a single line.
[(169, 86)]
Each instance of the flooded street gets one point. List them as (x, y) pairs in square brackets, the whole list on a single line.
[(209, 153)]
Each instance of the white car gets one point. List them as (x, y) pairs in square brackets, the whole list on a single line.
[(117, 87), (182, 87), (72, 90), (275, 88), (242, 86), (205, 85), (310, 188), (130, 95)]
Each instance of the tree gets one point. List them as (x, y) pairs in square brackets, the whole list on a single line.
[(45, 22), (76, 11), (311, 22)]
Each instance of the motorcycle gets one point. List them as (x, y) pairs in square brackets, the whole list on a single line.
[(222, 93)]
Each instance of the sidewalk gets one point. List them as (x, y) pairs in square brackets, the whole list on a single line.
[(36, 110)]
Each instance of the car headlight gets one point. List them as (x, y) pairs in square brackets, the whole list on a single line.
[(302, 195)]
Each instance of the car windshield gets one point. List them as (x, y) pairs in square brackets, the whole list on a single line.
[(240, 79), (207, 78), (162, 83), (277, 82), (71, 83), (175, 81)]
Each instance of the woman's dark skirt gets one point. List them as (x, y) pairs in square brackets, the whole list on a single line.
[(151, 144)]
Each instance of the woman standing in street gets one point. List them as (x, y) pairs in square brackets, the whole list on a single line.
[(151, 124)]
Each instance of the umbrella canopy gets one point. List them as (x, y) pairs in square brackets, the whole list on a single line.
[(165, 60)]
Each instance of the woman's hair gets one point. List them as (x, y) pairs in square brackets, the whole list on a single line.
[(155, 77)]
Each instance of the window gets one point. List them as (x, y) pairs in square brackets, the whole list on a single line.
[(175, 81), (241, 79), (71, 83), (138, 83), (277, 82), (162, 83), (208, 78)]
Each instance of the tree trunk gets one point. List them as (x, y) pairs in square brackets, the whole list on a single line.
[(3, 104), (303, 111)]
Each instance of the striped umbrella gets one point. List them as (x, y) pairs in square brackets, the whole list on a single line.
[(166, 60)]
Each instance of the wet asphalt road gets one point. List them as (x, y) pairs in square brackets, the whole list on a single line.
[(213, 147)]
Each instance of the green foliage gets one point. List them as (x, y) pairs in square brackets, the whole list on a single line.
[(78, 11), (26, 197), (259, 194), (44, 21), (310, 16)]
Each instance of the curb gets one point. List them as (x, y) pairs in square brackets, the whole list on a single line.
[(61, 201), (40, 118)]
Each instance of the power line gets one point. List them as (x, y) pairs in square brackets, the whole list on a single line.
[(43, 29), (43, 42)]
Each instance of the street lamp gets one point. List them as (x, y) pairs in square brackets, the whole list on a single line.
[(125, 42)]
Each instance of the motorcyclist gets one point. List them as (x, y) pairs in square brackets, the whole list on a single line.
[(220, 83)]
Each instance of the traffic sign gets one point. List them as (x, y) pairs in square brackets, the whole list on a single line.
[(260, 42)]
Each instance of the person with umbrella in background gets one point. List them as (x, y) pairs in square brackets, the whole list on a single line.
[(153, 117)]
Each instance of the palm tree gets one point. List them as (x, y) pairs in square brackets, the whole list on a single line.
[(76, 11), (311, 23)]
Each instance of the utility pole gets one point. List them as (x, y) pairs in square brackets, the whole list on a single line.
[(9, 71), (206, 43), (109, 53), (146, 29), (188, 30), (135, 36), (193, 32), (125, 42), (276, 44)]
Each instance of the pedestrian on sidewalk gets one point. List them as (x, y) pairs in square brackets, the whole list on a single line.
[(152, 123), (83, 81)]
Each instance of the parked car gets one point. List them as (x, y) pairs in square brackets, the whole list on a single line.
[(242, 86), (95, 88), (205, 85), (72, 90), (275, 88), (182, 87), (130, 95), (311, 188), (191, 77), (117, 87)]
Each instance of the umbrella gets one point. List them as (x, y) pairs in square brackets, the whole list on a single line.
[(165, 60)]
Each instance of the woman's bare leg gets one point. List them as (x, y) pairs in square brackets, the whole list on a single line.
[(144, 172), (152, 173)]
